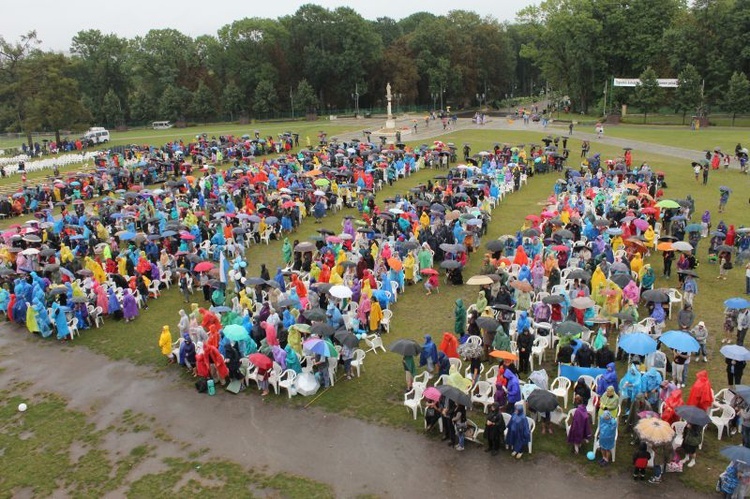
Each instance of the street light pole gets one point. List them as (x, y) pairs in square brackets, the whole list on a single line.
[(291, 98), (442, 91)]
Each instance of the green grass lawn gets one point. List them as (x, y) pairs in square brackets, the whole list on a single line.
[(377, 396), (705, 139)]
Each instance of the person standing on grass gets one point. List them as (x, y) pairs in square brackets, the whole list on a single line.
[(735, 368), (668, 258), (743, 323), (410, 371), (700, 333), (494, 429), (690, 289), (723, 198)]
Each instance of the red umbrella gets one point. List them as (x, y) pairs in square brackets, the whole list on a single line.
[(533, 218), (648, 210), (429, 272), (560, 247), (204, 267), (187, 236), (260, 360)]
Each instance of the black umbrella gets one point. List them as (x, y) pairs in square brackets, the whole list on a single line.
[(346, 338), (564, 234), (502, 306), (254, 281), (410, 245), (688, 272), (579, 274), (531, 233), (495, 245), (304, 247), (286, 303), (487, 323), (315, 314), (454, 394), (79, 299), (47, 252), (405, 347), (542, 401), (450, 264), (57, 291), (655, 295), (724, 248), (51, 267), (553, 299), (621, 280), (322, 329), (273, 284), (693, 415), (569, 327)]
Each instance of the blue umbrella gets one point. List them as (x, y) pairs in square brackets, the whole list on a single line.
[(737, 303), (680, 341), (615, 231), (127, 236), (271, 220), (638, 344), (235, 332), (693, 228), (737, 453), (732, 352), (168, 233), (221, 309)]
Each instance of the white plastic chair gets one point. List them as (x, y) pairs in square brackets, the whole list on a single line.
[(455, 362), (491, 374), (482, 394), (286, 381), (266, 236), (386, 320), (358, 362), (675, 297), (413, 400), (473, 432), (561, 388), (373, 342), (721, 415), (538, 348), (421, 380), (73, 328)]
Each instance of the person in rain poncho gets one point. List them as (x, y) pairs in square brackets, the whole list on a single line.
[(501, 340), (165, 343), (630, 384), (580, 428), (700, 393), (459, 314), (607, 433), (650, 384), (519, 434), (449, 345), (428, 357)]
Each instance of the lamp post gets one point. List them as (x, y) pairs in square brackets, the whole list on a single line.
[(442, 91), (291, 98), (355, 96), (482, 99), (398, 97)]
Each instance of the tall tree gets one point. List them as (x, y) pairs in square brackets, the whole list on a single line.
[(14, 100), (112, 109), (174, 103), (306, 98), (688, 95), (232, 100), (266, 99), (143, 107), (647, 94), (202, 106), (737, 97)]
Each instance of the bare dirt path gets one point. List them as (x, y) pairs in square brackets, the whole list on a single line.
[(355, 457)]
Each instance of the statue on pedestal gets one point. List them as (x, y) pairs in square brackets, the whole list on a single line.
[(388, 97)]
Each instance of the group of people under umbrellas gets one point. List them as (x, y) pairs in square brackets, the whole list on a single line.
[(576, 279)]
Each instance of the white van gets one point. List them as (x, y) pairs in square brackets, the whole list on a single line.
[(161, 125), (97, 135)]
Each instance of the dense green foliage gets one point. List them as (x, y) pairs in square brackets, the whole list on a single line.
[(255, 67)]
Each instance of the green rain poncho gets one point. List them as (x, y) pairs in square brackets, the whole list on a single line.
[(286, 252), (460, 316), (425, 259), (501, 341), (481, 302)]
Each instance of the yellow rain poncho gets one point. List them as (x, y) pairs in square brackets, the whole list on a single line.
[(597, 281), (409, 263), (66, 255), (165, 341), (93, 266), (457, 380)]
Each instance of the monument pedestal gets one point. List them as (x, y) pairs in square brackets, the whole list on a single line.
[(390, 123)]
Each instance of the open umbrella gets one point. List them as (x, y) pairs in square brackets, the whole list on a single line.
[(322, 329), (693, 415), (429, 272), (637, 343), (582, 303), (454, 394), (495, 245), (432, 393), (306, 384), (260, 360), (450, 264), (736, 303), (203, 267), (405, 347), (315, 314), (395, 264), (665, 246), (235, 332), (682, 246), (735, 352), (568, 328), (553, 299), (469, 350), (346, 338), (487, 323), (542, 401), (621, 280), (319, 347), (654, 431), (502, 354), (340, 291), (693, 228), (680, 341), (689, 272), (737, 453), (479, 280), (668, 204), (531, 233), (579, 274), (521, 286), (655, 296)]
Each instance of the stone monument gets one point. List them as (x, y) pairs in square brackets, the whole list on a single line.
[(390, 122)]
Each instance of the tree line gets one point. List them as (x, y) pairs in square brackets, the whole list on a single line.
[(321, 59)]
